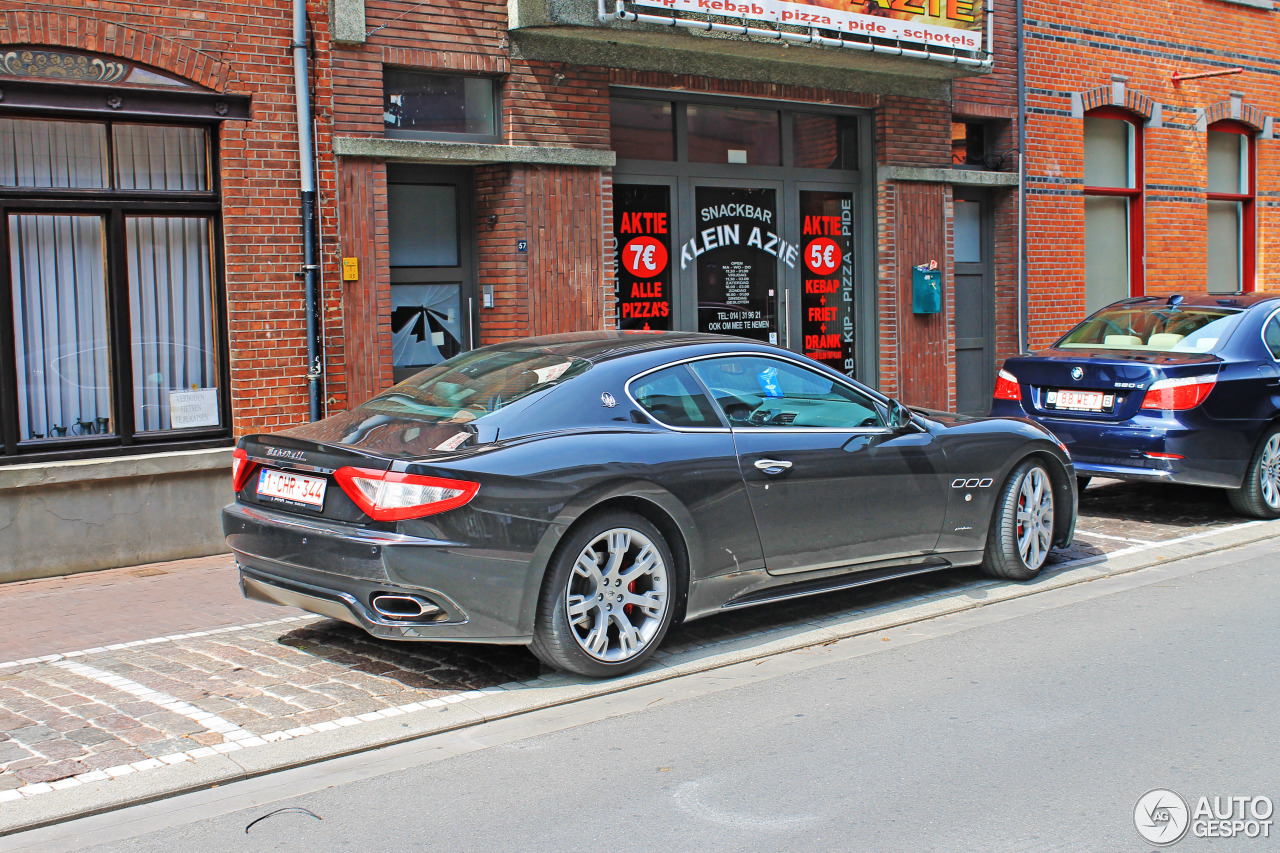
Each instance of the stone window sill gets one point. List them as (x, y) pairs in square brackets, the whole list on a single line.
[(67, 472)]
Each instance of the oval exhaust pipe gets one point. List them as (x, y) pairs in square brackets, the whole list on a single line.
[(403, 607)]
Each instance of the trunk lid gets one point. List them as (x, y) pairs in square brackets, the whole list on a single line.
[(307, 487), (1122, 377)]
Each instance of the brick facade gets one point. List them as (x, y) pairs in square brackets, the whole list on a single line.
[(258, 162), (1125, 55), (564, 212)]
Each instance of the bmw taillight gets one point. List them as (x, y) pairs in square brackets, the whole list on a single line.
[(1176, 395), (392, 496), (241, 468), (1007, 386)]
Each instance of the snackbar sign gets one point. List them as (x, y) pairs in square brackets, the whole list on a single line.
[(955, 24)]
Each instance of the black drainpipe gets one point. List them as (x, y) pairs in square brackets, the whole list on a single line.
[(307, 167)]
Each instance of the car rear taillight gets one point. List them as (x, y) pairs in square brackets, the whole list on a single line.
[(1176, 395), (241, 468), (1007, 386), (391, 496)]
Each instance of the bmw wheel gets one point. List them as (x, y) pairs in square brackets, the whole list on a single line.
[(1259, 494), (608, 597), (1021, 531)]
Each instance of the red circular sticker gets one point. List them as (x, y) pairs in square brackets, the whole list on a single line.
[(823, 256), (644, 257)]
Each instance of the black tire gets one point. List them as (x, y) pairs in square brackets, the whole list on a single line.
[(1082, 483), (574, 645), (1009, 555), (1259, 494)]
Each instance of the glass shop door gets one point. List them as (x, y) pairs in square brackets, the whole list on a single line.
[(732, 258)]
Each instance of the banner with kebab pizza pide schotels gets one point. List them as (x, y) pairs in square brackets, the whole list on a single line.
[(953, 24)]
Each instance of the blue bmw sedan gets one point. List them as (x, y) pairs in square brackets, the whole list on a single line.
[(1178, 389)]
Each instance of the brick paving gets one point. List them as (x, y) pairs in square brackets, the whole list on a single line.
[(115, 711), (224, 673)]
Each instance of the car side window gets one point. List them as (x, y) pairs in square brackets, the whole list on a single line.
[(674, 398), (754, 391), (1271, 334)]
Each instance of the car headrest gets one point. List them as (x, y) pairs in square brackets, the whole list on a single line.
[(1164, 340)]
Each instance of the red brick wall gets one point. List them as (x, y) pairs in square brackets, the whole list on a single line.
[(1146, 43), (365, 340)]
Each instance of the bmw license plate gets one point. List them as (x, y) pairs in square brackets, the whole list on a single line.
[(1080, 401), (295, 488)]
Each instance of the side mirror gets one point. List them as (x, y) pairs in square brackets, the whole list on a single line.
[(899, 416)]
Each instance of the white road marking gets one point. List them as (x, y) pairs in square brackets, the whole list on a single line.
[(169, 639), (229, 730), (1119, 538)]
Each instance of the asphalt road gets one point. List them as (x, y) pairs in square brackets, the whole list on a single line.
[(1033, 725)]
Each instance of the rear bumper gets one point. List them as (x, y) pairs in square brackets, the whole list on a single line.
[(336, 572), (1212, 455)]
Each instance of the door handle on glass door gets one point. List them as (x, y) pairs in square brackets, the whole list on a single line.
[(772, 466)]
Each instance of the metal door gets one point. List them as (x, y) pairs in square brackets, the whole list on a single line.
[(974, 304), (433, 299)]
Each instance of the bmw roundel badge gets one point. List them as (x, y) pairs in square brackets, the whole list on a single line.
[(1077, 373), (608, 400)]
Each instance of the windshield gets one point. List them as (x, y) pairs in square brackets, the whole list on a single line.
[(1154, 328), (472, 385)]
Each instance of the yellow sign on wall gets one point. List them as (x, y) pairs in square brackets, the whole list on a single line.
[(350, 269)]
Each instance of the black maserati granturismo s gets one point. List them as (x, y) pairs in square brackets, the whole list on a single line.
[(580, 493)]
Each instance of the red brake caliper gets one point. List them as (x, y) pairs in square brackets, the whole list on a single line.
[(627, 608)]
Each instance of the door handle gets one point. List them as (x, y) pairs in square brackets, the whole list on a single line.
[(772, 466)]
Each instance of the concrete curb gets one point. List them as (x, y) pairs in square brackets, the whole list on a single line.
[(558, 689)]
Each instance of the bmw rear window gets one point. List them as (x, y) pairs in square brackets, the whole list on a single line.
[(1155, 328), (474, 384)]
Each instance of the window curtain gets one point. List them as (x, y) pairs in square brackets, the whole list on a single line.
[(52, 154), (171, 311), (160, 158), (60, 325)]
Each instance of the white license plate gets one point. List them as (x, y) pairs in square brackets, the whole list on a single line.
[(292, 487), (1081, 401)]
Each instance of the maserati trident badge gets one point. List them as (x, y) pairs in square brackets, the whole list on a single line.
[(608, 400)]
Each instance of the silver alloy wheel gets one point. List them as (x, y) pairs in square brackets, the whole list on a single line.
[(1269, 472), (617, 596), (1035, 518)]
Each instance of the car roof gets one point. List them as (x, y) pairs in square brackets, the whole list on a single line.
[(597, 346), (1226, 300)]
